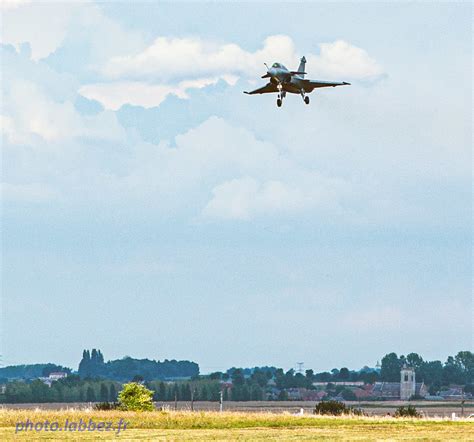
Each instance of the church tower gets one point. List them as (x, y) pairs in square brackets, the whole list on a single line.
[(407, 383)]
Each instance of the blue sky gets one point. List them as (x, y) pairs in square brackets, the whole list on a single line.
[(151, 209)]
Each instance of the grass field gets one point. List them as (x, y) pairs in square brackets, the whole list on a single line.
[(181, 425)]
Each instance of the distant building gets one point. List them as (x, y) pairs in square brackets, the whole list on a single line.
[(53, 376), (386, 390), (452, 393), (403, 390), (407, 383), (303, 394), (345, 383)]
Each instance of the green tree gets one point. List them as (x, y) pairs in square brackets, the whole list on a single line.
[(112, 393), (90, 394), (414, 360), (431, 373), (256, 393), (204, 394), (162, 391), (344, 373), (390, 370), (39, 391), (104, 392), (259, 377), (452, 372), (465, 360), (135, 397), (238, 378)]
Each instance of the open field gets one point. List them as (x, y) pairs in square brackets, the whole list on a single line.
[(183, 425), (372, 408)]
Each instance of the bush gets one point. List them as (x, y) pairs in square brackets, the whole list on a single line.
[(104, 406), (334, 408), (135, 397), (409, 411)]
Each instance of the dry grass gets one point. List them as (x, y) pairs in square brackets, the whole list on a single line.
[(236, 426)]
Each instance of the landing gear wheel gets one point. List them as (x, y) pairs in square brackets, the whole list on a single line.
[(306, 100), (279, 102)]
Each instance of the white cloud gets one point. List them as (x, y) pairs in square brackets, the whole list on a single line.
[(185, 58), (343, 60), (43, 25), (114, 95), (245, 197), (171, 58), (170, 65), (46, 25), (224, 172), (32, 113)]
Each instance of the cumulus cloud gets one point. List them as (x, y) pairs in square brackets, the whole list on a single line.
[(343, 60), (38, 106), (169, 58), (43, 25), (246, 198), (170, 65), (185, 58), (114, 95), (32, 114), (47, 26), (230, 174)]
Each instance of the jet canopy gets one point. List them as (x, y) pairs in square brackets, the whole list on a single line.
[(278, 66)]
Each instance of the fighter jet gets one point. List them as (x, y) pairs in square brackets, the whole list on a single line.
[(282, 81)]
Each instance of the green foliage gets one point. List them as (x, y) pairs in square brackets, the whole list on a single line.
[(90, 394), (31, 371), (390, 370), (135, 397), (333, 408), (409, 411), (92, 365), (106, 406)]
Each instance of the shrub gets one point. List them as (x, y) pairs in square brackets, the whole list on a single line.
[(409, 411), (334, 408), (135, 397), (104, 406)]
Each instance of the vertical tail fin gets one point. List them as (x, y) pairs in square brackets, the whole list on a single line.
[(302, 66)]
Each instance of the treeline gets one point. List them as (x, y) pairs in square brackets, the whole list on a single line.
[(31, 371), (457, 369), (92, 365), (199, 390), (70, 389)]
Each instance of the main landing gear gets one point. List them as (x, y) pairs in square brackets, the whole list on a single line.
[(305, 97)]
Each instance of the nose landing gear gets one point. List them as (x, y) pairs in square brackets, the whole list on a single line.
[(306, 100), (281, 95)]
